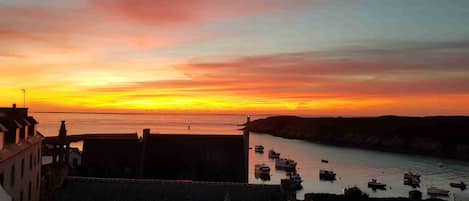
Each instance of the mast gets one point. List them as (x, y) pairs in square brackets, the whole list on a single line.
[(24, 97)]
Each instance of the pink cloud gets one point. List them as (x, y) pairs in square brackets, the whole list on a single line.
[(163, 13)]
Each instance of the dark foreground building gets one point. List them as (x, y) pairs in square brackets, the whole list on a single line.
[(103, 189), (166, 156), (169, 167)]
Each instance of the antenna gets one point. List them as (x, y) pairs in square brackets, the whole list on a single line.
[(24, 97)]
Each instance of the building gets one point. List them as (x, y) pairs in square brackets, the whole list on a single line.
[(221, 158), (120, 189), (124, 166), (20, 154), (218, 158)]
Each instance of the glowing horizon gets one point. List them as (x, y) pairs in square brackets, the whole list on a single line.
[(244, 57)]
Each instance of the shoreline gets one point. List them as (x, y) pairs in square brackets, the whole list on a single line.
[(402, 138)]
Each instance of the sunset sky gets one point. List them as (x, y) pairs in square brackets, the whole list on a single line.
[(361, 57)]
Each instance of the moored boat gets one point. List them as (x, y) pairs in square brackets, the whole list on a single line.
[(259, 149), (414, 182), (434, 191), (411, 175), (327, 175), (295, 179), (460, 185), (412, 179), (374, 184), (262, 169), (294, 176), (285, 164), (273, 154)]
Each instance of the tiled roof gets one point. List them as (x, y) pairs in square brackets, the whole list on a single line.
[(3, 128), (10, 150), (31, 120), (98, 136), (11, 124), (24, 122)]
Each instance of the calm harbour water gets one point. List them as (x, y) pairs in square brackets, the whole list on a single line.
[(354, 167)]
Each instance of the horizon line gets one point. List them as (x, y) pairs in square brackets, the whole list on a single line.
[(234, 114)]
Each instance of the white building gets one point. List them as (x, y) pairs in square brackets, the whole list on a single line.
[(20, 155)]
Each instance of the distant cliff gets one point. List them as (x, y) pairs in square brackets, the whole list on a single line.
[(443, 136)]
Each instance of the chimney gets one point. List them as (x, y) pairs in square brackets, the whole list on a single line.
[(146, 131)]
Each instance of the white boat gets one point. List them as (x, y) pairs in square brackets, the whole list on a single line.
[(285, 164), (437, 191), (262, 169), (374, 184), (327, 175), (259, 149), (273, 154)]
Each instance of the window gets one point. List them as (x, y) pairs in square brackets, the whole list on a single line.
[(29, 190), (38, 156), (31, 161), (12, 178), (22, 168), (1, 179), (37, 182)]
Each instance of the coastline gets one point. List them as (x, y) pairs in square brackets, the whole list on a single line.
[(444, 137)]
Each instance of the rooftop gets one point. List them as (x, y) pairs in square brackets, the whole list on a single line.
[(95, 136), (86, 188), (11, 150), (3, 128)]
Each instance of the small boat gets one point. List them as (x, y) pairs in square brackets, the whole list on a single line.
[(327, 175), (374, 184), (294, 176), (273, 154), (460, 185), (324, 161), (259, 149), (414, 182), (434, 191), (295, 180), (412, 179), (410, 175), (262, 169), (285, 164)]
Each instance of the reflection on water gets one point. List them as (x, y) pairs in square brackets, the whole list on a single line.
[(356, 167), (353, 167)]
